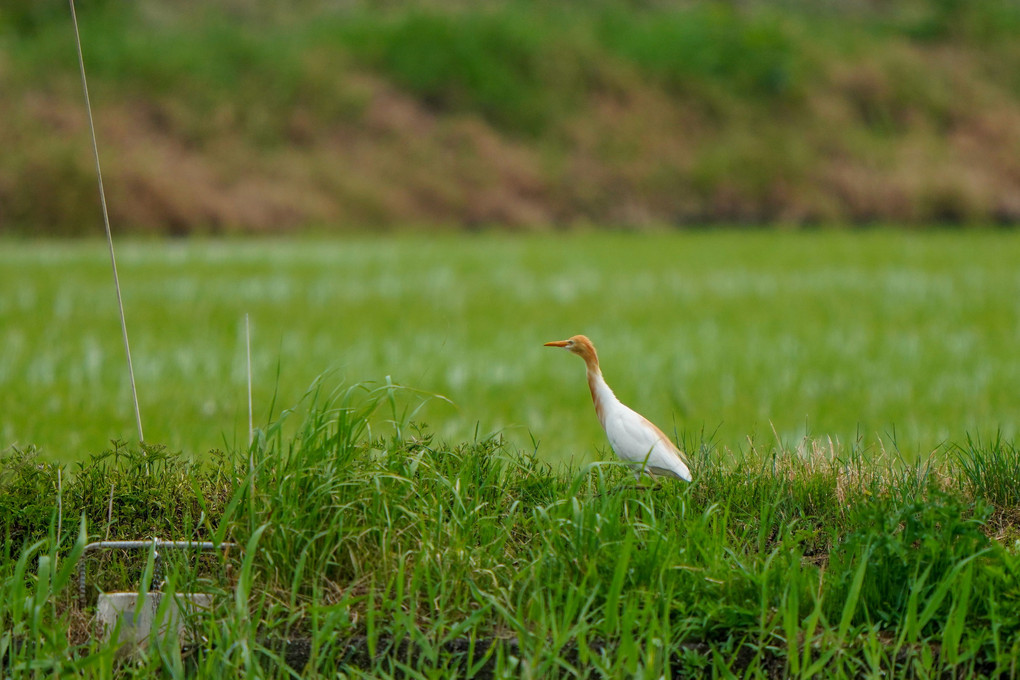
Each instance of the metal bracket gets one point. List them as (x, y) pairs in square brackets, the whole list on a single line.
[(140, 545)]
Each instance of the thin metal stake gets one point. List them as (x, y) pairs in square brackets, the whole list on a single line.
[(106, 220)]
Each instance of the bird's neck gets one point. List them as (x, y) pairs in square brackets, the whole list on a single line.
[(601, 395)]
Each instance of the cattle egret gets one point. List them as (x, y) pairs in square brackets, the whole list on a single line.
[(633, 437)]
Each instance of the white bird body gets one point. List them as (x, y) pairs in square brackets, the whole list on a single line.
[(633, 437)]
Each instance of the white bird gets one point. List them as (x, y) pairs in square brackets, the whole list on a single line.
[(633, 437)]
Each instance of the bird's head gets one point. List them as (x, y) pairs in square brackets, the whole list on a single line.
[(579, 345)]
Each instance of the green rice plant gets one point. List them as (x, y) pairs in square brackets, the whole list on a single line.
[(735, 334)]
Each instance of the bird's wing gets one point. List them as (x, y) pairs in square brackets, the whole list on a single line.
[(636, 439)]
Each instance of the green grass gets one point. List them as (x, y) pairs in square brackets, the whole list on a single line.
[(395, 555), (519, 64), (885, 340)]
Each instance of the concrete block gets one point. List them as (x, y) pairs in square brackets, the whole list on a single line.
[(121, 615)]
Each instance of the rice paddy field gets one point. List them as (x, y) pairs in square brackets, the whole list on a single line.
[(428, 492), (881, 338)]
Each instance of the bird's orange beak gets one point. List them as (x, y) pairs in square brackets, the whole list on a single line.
[(556, 343)]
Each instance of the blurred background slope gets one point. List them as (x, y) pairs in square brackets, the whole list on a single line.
[(276, 116)]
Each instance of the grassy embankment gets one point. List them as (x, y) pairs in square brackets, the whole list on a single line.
[(389, 554), (264, 117)]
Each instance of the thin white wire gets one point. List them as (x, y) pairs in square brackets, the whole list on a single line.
[(247, 339), (106, 220), (251, 428)]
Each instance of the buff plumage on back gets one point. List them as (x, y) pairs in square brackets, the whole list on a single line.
[(633, 437)]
